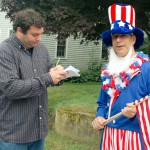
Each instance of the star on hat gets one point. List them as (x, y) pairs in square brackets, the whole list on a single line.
[(121, 24)]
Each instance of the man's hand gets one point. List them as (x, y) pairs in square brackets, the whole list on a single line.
[(129, 111), (98, 123), (57, 74)]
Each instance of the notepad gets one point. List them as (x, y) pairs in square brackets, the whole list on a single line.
[(72, 72)]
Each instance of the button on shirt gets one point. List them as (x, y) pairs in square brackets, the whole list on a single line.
[(24, 79)]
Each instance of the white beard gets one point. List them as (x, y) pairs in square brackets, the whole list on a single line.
[(118, 64)]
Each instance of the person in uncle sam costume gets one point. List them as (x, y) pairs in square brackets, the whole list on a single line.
[(125, 79)]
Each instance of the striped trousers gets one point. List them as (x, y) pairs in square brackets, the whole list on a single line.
[(118, 139)]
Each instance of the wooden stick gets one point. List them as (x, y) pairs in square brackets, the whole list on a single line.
[(112, 118), (120, 113)]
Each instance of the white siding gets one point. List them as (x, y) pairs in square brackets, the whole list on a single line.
[(5, 26), (0, 33), (78, 54), (50, 42)]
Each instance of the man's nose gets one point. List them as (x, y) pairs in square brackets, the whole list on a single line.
[(38, 38), (118, 38)]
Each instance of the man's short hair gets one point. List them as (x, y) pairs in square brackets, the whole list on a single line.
[(27, 18)]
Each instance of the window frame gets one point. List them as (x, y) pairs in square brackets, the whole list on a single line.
[(66, 49)]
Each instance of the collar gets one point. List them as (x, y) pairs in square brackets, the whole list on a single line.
[(113, 85), (18, 43)]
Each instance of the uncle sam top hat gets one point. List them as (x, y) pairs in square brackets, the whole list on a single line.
[(122, 20)]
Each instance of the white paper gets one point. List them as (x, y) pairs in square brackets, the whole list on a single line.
[(72, 72)]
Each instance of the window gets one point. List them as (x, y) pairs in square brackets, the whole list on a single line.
[(61, 48)]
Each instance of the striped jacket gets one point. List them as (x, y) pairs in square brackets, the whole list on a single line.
[(23, 92)]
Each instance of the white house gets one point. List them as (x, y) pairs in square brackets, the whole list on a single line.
[(70, 51)]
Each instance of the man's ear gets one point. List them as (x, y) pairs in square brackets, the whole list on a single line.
[(19, 30), (133, 39)]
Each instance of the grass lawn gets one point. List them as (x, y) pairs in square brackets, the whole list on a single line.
[(79, 97), (57, 142)]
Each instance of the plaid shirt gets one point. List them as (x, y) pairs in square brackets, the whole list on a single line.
[(23, 92)]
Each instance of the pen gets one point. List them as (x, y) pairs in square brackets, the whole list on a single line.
[(57, 61)]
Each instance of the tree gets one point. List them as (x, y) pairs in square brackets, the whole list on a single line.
[(80, 18), (146, 47)]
